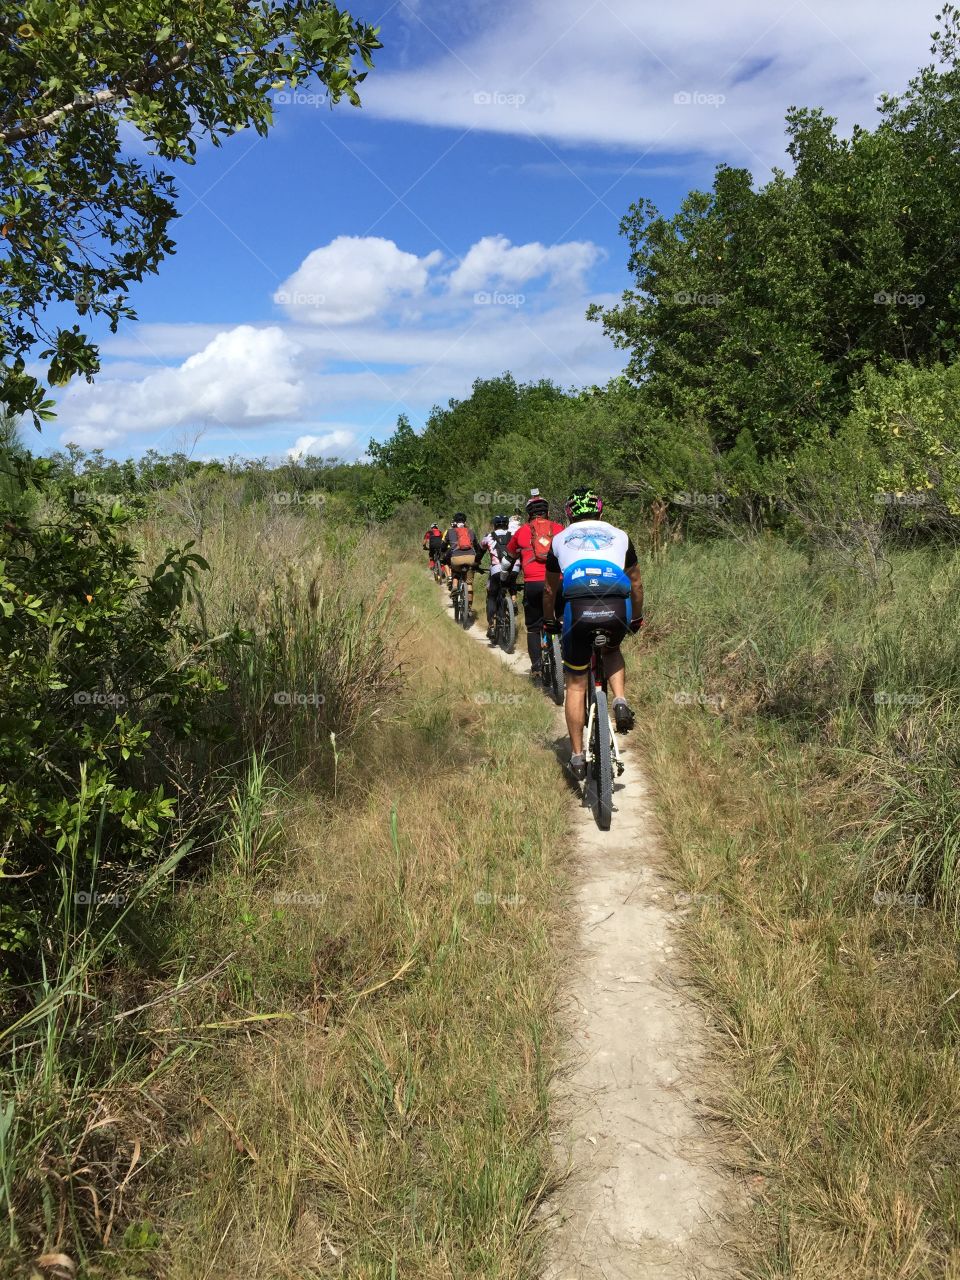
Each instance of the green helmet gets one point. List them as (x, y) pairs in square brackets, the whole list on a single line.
[(583, 502)]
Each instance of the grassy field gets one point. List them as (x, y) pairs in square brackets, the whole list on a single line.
[(321, 1045), (801, 727)]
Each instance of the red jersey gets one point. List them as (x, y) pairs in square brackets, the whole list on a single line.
[(521, 544)]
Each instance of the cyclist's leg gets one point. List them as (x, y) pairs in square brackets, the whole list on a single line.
[(577, 644), (616, 672), (493, 596), (533, 619)]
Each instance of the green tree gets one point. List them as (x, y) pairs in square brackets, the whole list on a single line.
[(80, 221), (760, 310)]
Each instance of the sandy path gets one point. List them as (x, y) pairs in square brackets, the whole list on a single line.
[(644, 1198)]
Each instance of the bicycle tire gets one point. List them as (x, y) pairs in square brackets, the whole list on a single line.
[(506, 623), (457, 605), (602, 761), (466, 621), (556, 668)]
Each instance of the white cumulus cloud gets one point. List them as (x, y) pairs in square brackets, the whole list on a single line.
[(353, 278), (329, 443), (494, 260), (243, 376)]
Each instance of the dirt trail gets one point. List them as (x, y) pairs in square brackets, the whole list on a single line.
[(644, 1199)]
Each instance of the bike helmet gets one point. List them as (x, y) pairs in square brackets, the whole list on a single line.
[(583, 504), (536, 504), (459, 518), (500, 522)]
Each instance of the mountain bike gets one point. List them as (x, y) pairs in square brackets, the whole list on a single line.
[(551, 665), (505, 620), (462, 613), (601, 752), (437, 569)]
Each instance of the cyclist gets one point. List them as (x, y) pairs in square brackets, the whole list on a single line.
[(594, 565), (433, 542), (461, 552), (531, 543), (495, 542)]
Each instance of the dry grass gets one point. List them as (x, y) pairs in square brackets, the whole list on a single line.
[(833, 995), (396, 1124), (327, 1048)]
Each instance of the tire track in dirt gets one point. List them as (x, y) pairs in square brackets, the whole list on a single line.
[(644, 1197)]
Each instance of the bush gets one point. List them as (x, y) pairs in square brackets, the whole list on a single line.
[(101, 681)]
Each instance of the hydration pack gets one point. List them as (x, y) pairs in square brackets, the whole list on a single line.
[(541, 538)]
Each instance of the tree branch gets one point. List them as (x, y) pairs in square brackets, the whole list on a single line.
[(147, 80)]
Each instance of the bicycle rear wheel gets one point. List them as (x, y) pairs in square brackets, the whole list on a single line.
[(457, 604), (602, 761), (466, 620)]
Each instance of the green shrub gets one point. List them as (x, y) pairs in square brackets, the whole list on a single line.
[(101, 682)]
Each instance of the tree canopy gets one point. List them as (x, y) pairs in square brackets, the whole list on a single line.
[(758, 310), (81, 220)]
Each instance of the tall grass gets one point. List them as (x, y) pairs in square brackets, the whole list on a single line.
[(866, 674), (317, 666), (802, 727), (321, 1043)]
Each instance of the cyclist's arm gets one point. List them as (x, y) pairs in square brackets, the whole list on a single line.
[(632, 568), (511, 555)]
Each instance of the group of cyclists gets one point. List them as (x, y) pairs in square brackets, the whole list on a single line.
[(578, 578)]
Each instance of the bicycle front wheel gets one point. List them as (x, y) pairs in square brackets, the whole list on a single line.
[(506, 623), (602, 761)]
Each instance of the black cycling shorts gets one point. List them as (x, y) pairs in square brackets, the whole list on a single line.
[(585, 615)]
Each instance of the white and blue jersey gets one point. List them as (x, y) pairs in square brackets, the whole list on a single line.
[(593, 557)]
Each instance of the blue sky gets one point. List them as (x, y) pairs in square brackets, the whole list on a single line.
[(357, 264)]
